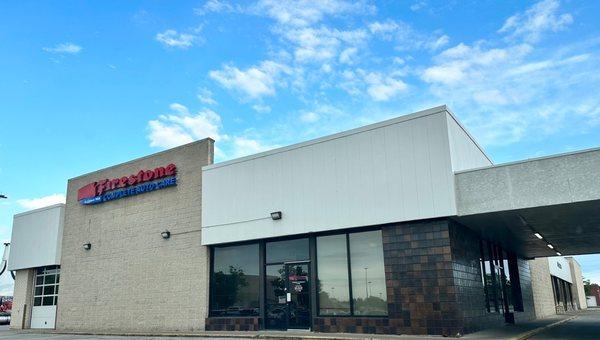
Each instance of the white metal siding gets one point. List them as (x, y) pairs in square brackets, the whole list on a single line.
[(466, 154), (560, 268), (393, 171), (36, 238)]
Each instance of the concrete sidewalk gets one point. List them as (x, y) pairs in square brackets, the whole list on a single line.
[(519, 331), (522, 330)]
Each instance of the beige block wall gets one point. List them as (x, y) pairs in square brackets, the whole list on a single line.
[(541, 284), (577, 287), (22, 299), (132, 279)]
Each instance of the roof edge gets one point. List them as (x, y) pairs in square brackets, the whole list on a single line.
[(200, 141), (400, 119), (33, 211), (527, 160)]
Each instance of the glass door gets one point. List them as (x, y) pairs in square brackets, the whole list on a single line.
[(298, 296), (287, 296), (276, 304)]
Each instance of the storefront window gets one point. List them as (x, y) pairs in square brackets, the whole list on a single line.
[(235, 281), (287, 251), (485, 274), (360, 290), (332, 267), (368, 274), (489, 275)]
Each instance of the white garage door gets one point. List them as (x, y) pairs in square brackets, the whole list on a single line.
[(43, 317), (45, 297)]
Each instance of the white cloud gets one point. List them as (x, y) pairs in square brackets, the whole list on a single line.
[(536, 20), (172, 38), (406, 37), (307, 12), (309, 117), (254, 82), (216, 6), (511, 92), (243, 146), (383, 88), (181, 127), (260, 108), (417, 6), (35, 203), (64, 48), (313, 45), (385, 28), (347, 55), (438, 43), (205, 97), (457, 63)]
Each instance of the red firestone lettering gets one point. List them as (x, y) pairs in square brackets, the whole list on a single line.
[(148, 175), (105, 185), (170, 170), (159, 172), (131, 180), (114, 183), (102, 186)]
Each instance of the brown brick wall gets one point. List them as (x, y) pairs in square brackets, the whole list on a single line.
[(232, 324), (420, 284)]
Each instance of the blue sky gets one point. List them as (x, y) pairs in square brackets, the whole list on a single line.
[(85, 85)]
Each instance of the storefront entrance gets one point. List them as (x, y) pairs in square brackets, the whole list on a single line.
[(288, 296)]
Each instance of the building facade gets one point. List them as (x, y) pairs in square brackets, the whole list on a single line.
[(558, 287), (373, 230)]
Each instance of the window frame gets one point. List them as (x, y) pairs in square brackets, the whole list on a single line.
[(349, 269), (43, 285), (211, 290)]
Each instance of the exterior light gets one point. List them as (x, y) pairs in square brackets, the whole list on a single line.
[(550, 246), (87, 246), (166, 234), (276, 215), (558, 253), (538, 235)]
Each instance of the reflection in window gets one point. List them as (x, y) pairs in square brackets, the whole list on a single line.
[(368, 274), (287, 251), (235, 280), (332, 269)]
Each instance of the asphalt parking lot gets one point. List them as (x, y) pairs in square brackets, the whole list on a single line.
[(585, 326)]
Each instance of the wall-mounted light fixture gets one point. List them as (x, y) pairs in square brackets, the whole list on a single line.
[(538, 235), (87, 246), (276, 215), (165, 234)]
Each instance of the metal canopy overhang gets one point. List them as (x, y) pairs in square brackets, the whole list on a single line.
[(573, 229), (557, 196)]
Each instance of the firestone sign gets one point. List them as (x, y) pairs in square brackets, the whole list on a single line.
[(142, 182)]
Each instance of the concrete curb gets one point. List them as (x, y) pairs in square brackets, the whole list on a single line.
[(529, 334)]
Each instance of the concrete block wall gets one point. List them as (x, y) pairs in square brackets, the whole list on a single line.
[(22, 299), (543, 295), (577, 287), (133, 280)]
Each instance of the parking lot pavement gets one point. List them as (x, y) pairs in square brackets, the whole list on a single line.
[(585, 326)]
